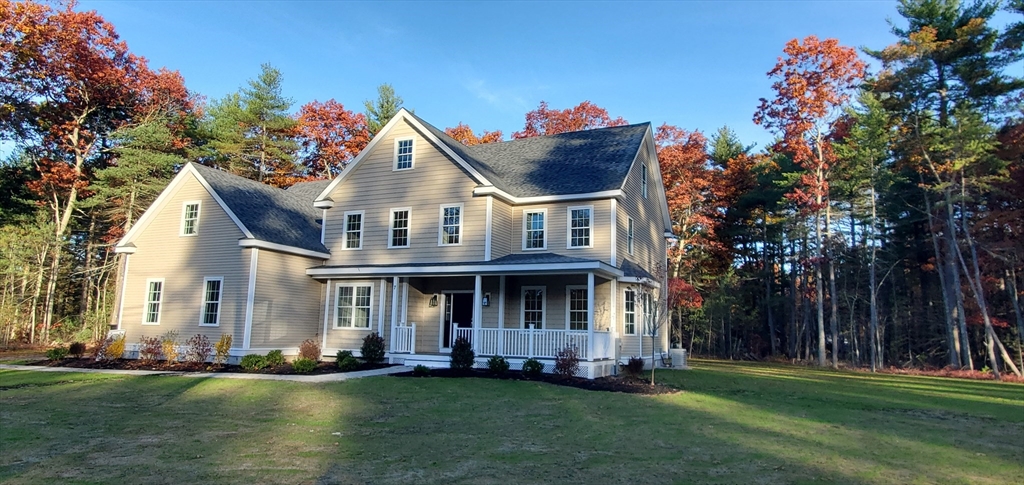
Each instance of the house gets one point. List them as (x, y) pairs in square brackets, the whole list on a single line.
[(523, 247)]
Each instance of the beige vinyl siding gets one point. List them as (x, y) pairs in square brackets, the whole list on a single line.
[(501, 228), (183, 262), (374, 187), (557, 229), (286, 305), (352, 338), (648, 221)]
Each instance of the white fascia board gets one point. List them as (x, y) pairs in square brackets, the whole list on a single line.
[(402, 115), (125, 249), (489, 269), (257, 243), (543, 199), (324, 204)]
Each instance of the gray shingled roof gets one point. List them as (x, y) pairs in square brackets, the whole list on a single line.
[(631, 270), (568, 163), (271, 214)]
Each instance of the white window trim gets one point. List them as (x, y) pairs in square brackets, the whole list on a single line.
[(220, 303), (568, 306), (199, 214), (146, 301), (646, 303), (543, 306), (568, 227), (536, 211), (337, 297), (344, 230), (643, 178), (440, 224), (391, 229), (626, 312), (629, 235), (412, 160)]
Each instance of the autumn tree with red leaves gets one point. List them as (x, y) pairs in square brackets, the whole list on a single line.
[(330, 136), (464, 134), (74, 83), (584, 116), (812, 84)]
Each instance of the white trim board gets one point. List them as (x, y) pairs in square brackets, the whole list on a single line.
[(484, 269), (491, 190), (259, 243)]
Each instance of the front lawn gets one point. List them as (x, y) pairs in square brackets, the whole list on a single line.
[(733, 423)]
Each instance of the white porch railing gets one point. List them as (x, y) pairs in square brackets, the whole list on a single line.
[(405, 339), (514, 342)]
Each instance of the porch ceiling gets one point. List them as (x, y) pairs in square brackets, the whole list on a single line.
[(533, 263)]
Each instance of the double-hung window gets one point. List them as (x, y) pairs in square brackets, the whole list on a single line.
[(450, 225), (212, 289), (647, 302), (403, 153), (533, 307), (353, 230), (154, 301), (399, 237), (580, 227), (629, 315), (629, 235), (534, 235), (353, 309), (190, 218), (643, 180), (577, 307)]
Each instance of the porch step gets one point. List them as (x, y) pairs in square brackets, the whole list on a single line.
[(432, 361)]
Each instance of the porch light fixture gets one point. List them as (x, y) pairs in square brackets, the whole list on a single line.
[(433, 301), (487, 300)]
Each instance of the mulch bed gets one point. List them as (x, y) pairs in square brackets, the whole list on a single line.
[(620, 383), (133, 364)]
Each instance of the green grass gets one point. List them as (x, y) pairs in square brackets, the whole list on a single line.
[(733, 423)]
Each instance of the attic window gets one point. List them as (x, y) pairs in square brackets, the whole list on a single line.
[(403, 154), (190, 218), (643, 180)]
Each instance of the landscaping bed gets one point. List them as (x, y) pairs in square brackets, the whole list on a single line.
[(621, 383), (134, 364)]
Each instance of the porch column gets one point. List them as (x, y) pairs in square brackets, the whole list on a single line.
[(478, 311), (382, 297), (327, 312), (590, 316), (394, 312), (501, 315)]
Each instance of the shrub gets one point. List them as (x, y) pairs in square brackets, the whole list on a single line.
[(77, 349), (348, 364), (532, 368), (222, 348), (373, 348), (113, 347), (497, 365), (303, 365), (635, 366), (463, 357), (150, 349), (421, 371), (275, 358), (567, 361), (342, 354), (253, 362), (169, 341), (198, 349), (310, 349), (57, 353)]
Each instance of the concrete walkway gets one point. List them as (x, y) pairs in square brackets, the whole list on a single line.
[(336, 377)]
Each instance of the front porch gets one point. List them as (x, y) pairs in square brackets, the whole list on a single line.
[(518, 313)]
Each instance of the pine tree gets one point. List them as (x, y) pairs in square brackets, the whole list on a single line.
[(380, 112)]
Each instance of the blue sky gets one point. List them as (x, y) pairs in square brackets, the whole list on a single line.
[(698, 65)]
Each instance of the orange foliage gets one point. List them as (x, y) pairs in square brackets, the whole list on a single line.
[(331, 136), (464, 134), (813, 82), (584, 116)]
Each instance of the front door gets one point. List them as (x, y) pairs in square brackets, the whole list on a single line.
[(458, 313)]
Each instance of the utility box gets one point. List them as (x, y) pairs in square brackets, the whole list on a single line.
[(678, 358)]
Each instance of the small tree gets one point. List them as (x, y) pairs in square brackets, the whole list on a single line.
[(373, 348), (653, 318), (463, 357)]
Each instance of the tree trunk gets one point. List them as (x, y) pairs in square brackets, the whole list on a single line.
[(819, 289), (833, 294), (769, 275), (85, 299)]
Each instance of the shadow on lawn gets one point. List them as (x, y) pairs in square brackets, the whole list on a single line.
[(390, 430)]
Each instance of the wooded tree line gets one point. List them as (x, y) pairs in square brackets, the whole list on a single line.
[(881, 228)]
